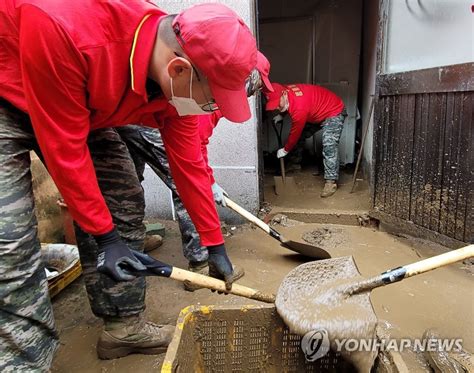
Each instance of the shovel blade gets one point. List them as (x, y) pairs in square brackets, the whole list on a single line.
[(306, 249), (313, 297), (285, 187)]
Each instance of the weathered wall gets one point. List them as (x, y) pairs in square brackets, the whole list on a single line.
[(424, 118)]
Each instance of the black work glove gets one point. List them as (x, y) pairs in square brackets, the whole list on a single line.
[(115, 257), (220, 266)]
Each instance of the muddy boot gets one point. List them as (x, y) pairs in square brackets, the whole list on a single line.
[(152, 242), (197, 267), (330, 188), (123, 336)]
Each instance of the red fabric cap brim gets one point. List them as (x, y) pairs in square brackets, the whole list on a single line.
[(266, 82), (232, 104)]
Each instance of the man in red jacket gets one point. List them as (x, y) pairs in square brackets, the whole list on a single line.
[(146, 146), (67, 68), (311, 108)]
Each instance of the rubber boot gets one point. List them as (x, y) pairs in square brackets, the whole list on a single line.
[(197, 267), (330, 188), (123, 336)]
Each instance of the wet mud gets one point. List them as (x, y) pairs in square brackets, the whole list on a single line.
[(440, 299), (326, 237), (314, 296)]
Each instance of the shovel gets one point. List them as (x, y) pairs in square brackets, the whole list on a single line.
[(331, 295), (299, 247), (283, 185), (156, 268)]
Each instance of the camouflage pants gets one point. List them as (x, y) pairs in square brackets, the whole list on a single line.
[(120, 186), (332, 129), (146, 146), (28, 337), (27, 333)]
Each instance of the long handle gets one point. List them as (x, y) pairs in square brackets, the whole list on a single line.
[(215, 284), (410, 270), (156, 268), (253, 219), (439, 261), (282, 168)]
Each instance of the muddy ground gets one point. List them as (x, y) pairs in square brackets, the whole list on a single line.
[(442, 299), (309, 190)]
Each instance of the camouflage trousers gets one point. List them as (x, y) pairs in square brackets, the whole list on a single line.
[(28, 337), (122, 191), (146, 146), (332, 129)]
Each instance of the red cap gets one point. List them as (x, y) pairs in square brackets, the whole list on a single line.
[(263, 67), (219, 43), (273, 98)]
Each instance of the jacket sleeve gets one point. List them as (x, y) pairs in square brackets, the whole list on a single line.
[(54, 80), (298, 121), (210, 172), (207, 123), (183, 147)]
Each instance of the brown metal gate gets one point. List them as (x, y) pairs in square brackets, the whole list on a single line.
[(424, 156)]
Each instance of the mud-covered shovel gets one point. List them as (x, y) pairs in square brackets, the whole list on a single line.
[(155, 267), (334, 282), (284, 185), (300, 247), (332, 295)]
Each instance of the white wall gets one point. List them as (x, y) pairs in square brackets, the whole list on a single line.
[(429, 33), (233, 147)]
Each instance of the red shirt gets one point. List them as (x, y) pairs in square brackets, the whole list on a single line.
[(309, 104), (207, 123), (75, 66)]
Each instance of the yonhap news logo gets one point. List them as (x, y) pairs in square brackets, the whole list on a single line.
[(315, 344)]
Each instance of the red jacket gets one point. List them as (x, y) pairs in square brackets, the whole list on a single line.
[(207, 123), (75, 66), (309, 104)]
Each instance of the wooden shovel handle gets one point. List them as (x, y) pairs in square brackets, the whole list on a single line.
[(247, 215), (282, 168), (439, 261), (215, 284), (253, 219)]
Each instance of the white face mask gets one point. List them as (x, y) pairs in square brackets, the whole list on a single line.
[(186, 105)]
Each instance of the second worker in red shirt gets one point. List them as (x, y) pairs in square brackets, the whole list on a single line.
[(311, 108)]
